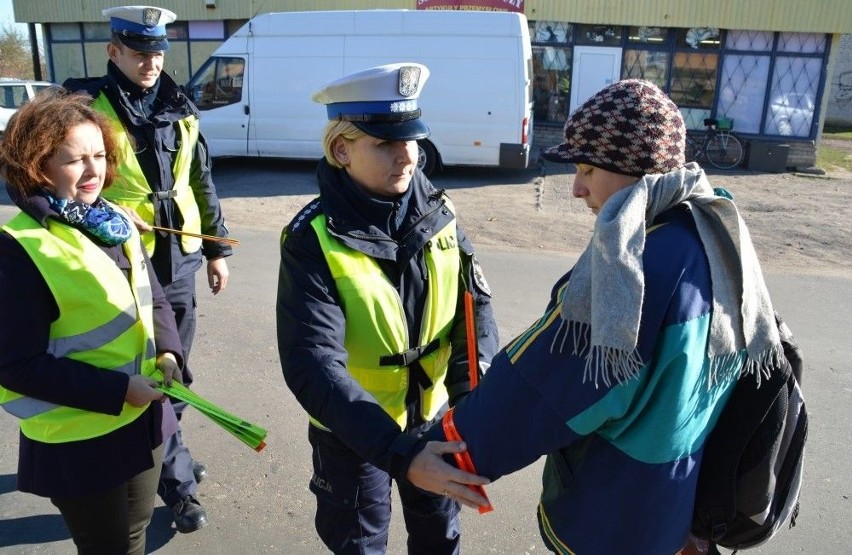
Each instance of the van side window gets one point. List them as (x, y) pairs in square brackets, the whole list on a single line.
[(218, 83)]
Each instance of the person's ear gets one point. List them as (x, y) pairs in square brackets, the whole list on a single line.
[(340, 149), (112, 51)]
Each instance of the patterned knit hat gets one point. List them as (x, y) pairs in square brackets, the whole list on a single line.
[(630, 127)]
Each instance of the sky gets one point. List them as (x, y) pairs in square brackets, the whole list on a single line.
[(7, 17)]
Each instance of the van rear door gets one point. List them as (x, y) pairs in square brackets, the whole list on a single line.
[(217, 89)]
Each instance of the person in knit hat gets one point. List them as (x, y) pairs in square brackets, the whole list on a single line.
[(621, 379)]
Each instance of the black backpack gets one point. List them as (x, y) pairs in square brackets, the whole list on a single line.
[(751, 472)]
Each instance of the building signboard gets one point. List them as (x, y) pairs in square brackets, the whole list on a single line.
[(481, 5)]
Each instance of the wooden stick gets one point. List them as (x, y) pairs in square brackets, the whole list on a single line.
[(199, 235)]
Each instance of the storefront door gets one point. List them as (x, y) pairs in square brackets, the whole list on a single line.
[(594, 68)]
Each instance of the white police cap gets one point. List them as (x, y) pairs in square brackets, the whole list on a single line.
[(141, 28), (381, 101)]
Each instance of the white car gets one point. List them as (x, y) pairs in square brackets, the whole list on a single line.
[(14, 93)]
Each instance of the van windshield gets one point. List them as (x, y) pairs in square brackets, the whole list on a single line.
[(218, 83)]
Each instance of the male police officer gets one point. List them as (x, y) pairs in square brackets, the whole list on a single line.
[(165, 180)]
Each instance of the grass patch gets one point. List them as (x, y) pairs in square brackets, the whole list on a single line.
[(829, 156), (843, 132)]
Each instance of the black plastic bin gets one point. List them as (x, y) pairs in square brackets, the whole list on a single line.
[(768, 157)]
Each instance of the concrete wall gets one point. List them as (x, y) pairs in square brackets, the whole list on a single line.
[(840, 90)]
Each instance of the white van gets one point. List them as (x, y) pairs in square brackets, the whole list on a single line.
[(254, 92)]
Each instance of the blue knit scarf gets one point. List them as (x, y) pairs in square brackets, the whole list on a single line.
[(99, 219)]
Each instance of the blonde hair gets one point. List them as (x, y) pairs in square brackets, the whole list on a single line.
[(334, 129)]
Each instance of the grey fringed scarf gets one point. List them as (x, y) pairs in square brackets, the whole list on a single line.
[(602, 304)]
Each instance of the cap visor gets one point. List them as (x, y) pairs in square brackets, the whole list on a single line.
[(410, 130), (144, 45), (558, 153)]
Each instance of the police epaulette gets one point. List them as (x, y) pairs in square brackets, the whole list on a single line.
[(303, 219), (438, 194), (90, 85)]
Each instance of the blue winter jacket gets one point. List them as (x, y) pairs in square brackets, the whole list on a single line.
[(622, 459)]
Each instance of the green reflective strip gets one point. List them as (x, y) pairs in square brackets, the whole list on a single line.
[(96, 338)]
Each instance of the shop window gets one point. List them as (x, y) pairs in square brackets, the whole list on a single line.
[(792, 96), (651, 36), (745, 73), (232, 25), (206, 30), (550, 32), (693, 85), (646, 64), (177, 31), (792, 102), (802, 43), (694, 69), (752, 41), (698, 38), (68, 58), (64, 31), (599, 35), (742, 89), (97, 31), (552, 57), (552, 86)]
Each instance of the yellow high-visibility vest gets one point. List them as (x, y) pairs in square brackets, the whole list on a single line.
[(104, 320), (131, 190), (376, 324)]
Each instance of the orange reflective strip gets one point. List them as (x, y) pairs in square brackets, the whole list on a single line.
[(463, 459), (470, 326)]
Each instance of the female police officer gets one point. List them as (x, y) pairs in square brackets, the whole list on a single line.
[(371, 328)]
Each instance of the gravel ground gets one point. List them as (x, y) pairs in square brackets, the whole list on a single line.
[(800, 223)]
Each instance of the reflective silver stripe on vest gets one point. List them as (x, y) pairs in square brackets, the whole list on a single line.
[(26, 407), (146, 297), (95, 338)]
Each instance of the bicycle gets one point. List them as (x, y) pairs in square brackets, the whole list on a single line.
[(719, 146)]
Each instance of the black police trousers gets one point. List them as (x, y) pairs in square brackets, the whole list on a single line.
[(354, 505), (177, 479)]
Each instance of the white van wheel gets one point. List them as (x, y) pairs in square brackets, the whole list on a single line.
[(427, 157)]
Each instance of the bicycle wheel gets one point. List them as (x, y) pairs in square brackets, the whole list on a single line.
[(692, 149), (723, 150)]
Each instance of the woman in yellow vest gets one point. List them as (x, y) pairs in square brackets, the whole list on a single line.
[(85, 328), (371, 323)]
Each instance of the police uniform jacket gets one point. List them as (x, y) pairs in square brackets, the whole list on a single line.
[(28, 308), (150, 117), (311, 322)]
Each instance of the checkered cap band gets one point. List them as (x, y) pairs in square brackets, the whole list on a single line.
[(630, 127)]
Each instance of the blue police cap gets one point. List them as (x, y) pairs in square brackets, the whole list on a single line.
[(141, 28), (380, 101)]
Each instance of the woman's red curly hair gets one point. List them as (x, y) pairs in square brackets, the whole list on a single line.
[(36, 131)]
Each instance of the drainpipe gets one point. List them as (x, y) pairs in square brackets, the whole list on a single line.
[(34, 48)]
